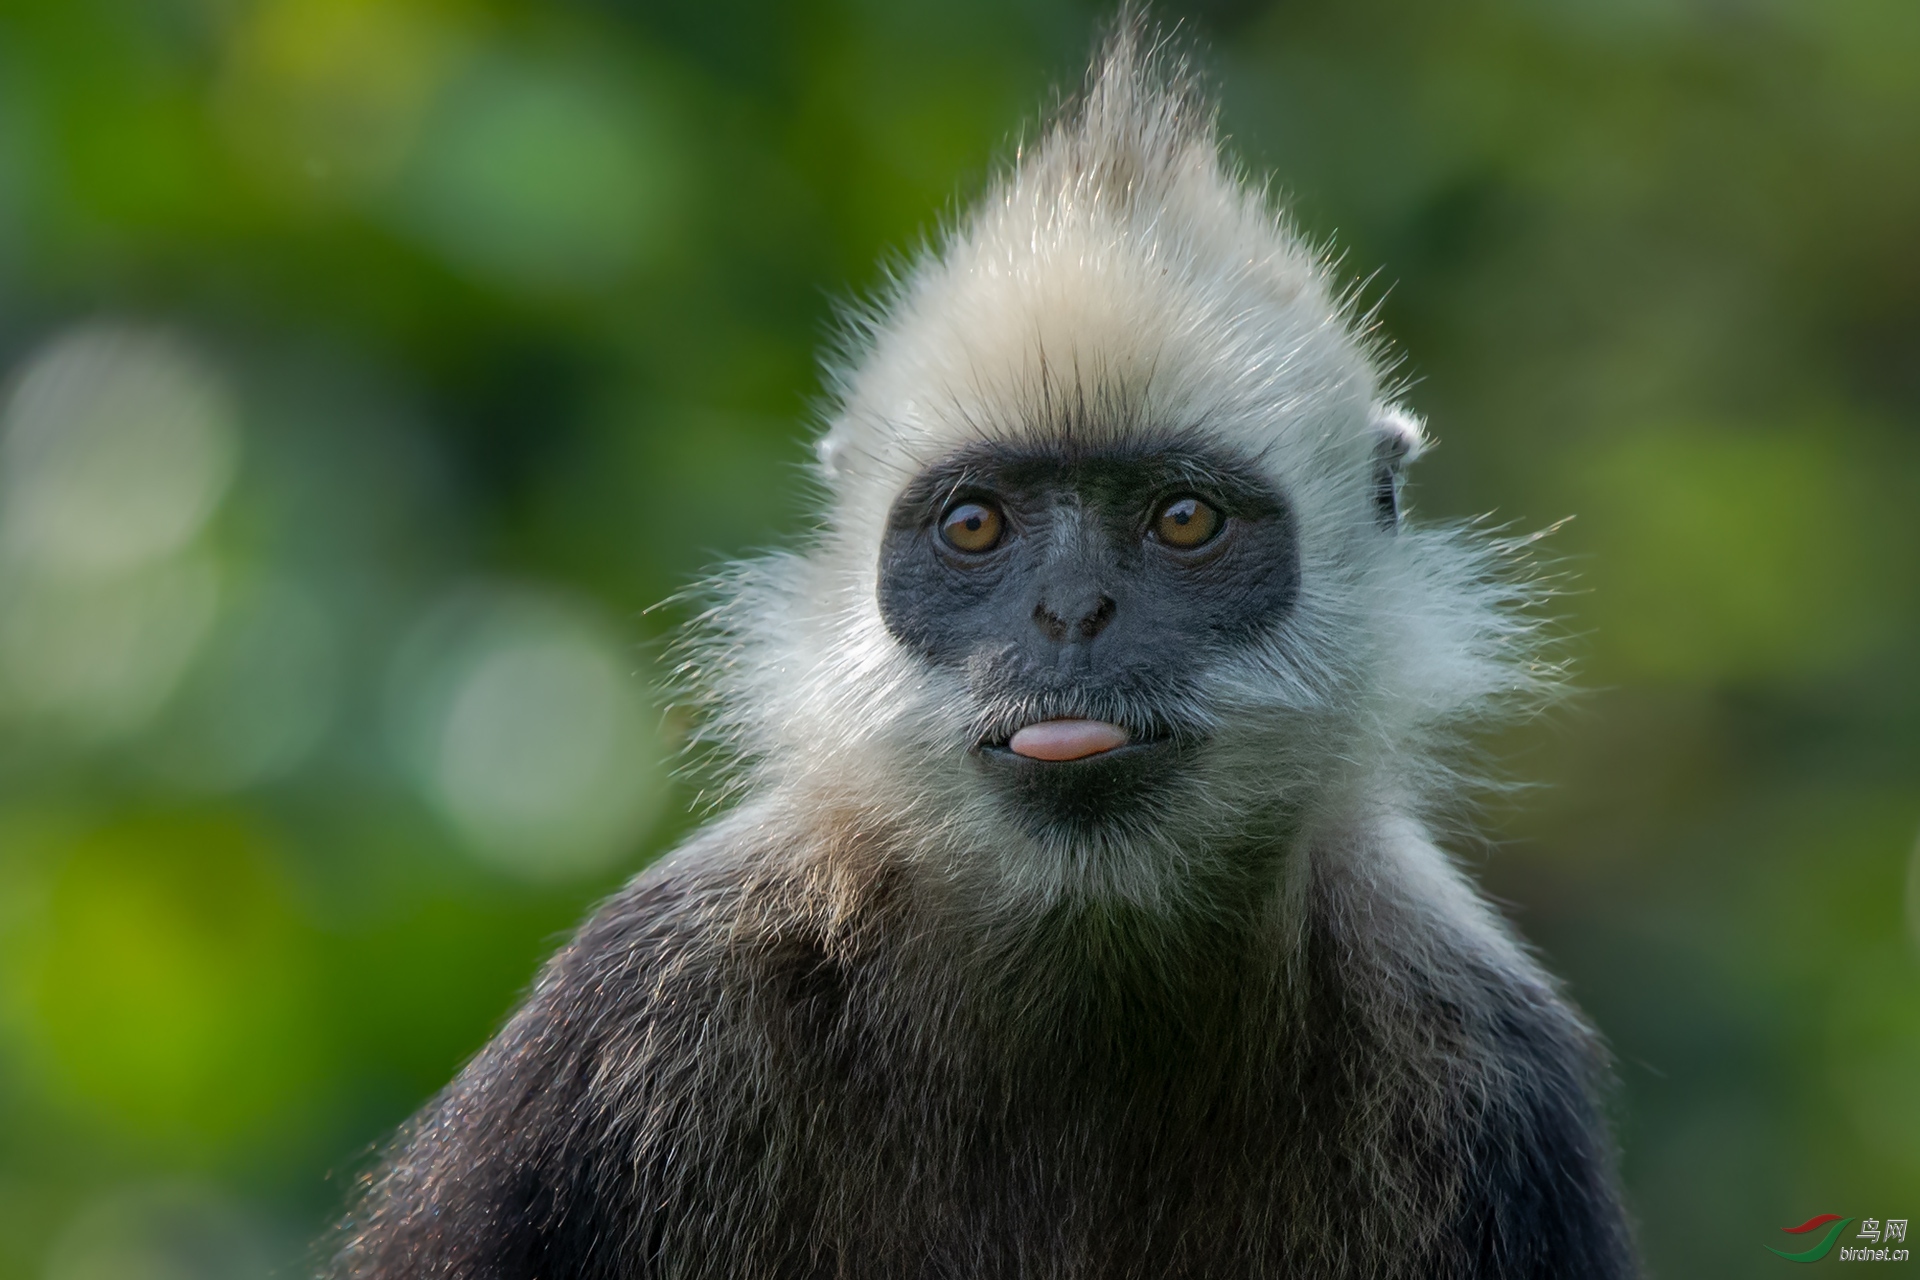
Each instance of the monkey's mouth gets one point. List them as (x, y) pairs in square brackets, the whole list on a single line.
[(1059, 741), (1077, 776), (1064, 741), (1051, 735)]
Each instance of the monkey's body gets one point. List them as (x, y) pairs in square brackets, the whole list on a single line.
[(752, 1065), (1078, 916)]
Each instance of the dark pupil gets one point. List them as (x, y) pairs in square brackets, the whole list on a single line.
[(973, 523), (1182, 513)]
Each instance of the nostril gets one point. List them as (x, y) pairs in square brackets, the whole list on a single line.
[(1096, 621), (1090, 621), (1050, 623)]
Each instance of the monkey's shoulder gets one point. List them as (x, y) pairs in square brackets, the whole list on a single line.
[(700, 963), (1535, 1161), (625, 1100)]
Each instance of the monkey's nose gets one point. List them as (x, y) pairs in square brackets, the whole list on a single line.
[(1079, 621)]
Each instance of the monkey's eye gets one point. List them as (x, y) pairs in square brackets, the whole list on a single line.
[(1186, 523), (972, 527)]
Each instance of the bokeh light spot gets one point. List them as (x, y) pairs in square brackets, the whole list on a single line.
[(529, 730), (96, 659), (115, 447)]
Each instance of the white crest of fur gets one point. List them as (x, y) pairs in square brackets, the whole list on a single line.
[(1122, 281)]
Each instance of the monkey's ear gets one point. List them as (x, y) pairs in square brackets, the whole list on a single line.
[(1398, 438), (827, 450)]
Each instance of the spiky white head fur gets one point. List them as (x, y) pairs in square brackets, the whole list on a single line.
[(1122, 280)]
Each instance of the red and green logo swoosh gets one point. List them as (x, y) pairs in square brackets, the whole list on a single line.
[(1813, 1224)]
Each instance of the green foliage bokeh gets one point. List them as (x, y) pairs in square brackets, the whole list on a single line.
[(373, 366)]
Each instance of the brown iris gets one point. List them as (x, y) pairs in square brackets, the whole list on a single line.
[(1186, 523), (972, 526)]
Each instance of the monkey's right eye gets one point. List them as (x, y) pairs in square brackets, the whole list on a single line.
[(972, 527)]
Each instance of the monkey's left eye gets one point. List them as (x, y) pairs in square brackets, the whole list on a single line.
[(972, 526), (1186, 523)]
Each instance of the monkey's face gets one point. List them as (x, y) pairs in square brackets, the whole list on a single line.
[(1083, 593)]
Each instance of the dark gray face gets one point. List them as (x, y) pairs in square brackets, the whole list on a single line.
[(1086, 582)]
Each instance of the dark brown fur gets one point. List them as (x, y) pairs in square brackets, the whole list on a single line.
[(775, 1062)]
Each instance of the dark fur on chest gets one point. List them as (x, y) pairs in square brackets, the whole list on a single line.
[(713, 1082)]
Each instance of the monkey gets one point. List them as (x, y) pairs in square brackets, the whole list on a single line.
[(1075, 909)]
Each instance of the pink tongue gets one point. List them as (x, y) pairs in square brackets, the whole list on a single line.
[(1067, 739)]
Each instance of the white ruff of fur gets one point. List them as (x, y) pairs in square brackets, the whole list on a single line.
[(1122, 281)]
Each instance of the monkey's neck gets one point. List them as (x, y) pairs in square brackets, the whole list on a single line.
[(1092, 983), (1070, 976), (1118, 997)]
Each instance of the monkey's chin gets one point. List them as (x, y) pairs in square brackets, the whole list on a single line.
[(1120, 787)]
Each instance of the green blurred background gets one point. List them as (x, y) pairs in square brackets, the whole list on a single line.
[(372, 365)]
